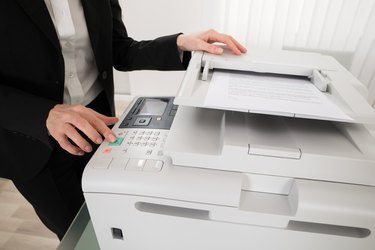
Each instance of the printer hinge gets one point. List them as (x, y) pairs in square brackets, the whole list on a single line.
[(206, 70)]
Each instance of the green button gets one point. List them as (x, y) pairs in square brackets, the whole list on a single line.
[(118, 142)]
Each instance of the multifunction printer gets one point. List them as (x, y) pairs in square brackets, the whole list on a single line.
[(184, 175)]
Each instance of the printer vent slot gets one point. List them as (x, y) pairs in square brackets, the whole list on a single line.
[(172, 210), (354, 232)]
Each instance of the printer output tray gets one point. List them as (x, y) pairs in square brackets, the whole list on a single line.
[(272, 145)]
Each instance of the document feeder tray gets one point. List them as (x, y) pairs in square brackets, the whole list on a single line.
[(337, 84)]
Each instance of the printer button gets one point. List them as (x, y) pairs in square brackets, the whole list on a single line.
[(142, 121), (107, 150), (101, 162), (153, 166), (135, 164), (118, 142), (118, 163)]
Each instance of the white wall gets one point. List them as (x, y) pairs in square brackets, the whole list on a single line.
[(147, 19)]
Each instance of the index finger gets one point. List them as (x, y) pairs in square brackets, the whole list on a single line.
[(239, 46), (232, 43), (100, 122)]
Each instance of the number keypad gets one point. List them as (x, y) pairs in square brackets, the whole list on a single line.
[(144, 141)]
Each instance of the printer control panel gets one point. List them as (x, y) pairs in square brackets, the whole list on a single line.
[(150, 113), (141, 135)]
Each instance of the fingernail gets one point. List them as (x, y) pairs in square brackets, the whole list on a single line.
[(99, 140), (81, 153), (112, 138), (88, 149)]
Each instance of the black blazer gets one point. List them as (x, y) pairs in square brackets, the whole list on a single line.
[(32, 73)]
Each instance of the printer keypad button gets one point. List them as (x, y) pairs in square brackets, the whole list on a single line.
[(153, 166), (118, 163), (146, 138), (101, 162), (141, 132), (135, 164)]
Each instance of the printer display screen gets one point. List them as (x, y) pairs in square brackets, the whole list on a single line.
[(153, 107)]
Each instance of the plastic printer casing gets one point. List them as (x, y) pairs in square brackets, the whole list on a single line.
[(224, 179)]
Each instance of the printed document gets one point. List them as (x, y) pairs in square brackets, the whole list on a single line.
[(271, 94)]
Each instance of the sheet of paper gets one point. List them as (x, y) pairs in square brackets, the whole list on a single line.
[(271, 94)]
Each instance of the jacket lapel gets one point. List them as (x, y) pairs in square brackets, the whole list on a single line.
[(38, 13), (90, 8), (96, 15)]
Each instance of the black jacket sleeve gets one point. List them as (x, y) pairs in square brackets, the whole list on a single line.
[(24, 141), (158, 54), (24, 113)]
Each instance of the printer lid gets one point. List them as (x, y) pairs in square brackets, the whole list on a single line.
[(331, 78)]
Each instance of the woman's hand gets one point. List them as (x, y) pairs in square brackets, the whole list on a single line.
[(64, 121), (203, 41)]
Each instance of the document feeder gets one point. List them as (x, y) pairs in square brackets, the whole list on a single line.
[(325, 73), (190, 177)]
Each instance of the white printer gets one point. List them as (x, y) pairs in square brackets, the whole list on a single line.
[(190, 177)]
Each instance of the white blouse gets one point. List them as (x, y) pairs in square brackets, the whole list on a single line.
[(81, 72)]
